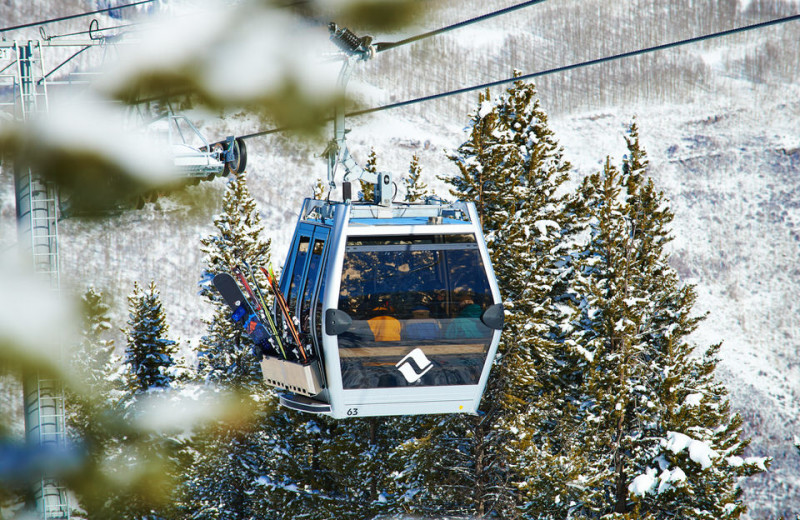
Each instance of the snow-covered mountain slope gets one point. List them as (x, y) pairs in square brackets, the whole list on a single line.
[(731, 178), (718, 122), (730, 166), (730, 170)]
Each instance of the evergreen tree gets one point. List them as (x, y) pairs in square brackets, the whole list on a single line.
[(444, 471), (223, 480), (512, 168), (479, 163), (149, 353), (95, 360), (368, 188), (416, 190), (325, 468), (654, 427), (536, 222), (361, 453), (94, 363), (96, 366), (146, 461), (225, 353), (228, 458)]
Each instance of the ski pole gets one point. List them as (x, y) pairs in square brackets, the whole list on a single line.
[(284, 308), (264, 307), (258, 307)]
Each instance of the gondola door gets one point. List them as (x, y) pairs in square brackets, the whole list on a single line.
[(302, 281), (313, 284)]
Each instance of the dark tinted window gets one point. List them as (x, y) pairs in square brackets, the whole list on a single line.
[(311, 283), (297, 271), (416, 304), (318, 312)]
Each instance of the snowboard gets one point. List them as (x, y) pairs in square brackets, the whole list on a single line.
[(243, 313)]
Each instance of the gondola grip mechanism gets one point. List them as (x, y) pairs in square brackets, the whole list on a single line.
[(354, 49)]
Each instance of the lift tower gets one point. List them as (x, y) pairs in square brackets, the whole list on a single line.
[(37, 231)]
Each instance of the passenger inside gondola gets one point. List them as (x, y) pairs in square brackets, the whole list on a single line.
[(466, 322), (421, 326), (383, 324)]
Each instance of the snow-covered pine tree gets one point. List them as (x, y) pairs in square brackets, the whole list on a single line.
[(537, 225), (225, 463), (416, 190), (149, 353), (225, 353), (512, 167), (478, 160), (293, 482), (228, 459), (95, 361), (89, 412), (325, 468), (148, 461), (368, 188), (654, 427), (444, 472)]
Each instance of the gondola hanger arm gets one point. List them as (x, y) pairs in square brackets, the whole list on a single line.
[(353, 49)]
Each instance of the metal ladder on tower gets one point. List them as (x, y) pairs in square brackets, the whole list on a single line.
[(37, 219)]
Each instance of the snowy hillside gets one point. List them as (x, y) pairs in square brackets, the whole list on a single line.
[(718, 120), (735, 191)]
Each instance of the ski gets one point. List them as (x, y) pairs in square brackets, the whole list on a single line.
[(284, 308), (263, 301), (260, 307), (243, 312)]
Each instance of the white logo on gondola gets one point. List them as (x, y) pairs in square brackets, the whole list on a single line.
[(406, 366)]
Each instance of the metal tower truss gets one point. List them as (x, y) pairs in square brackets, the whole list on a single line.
[(46, 428), (37, 221), (24, 81)]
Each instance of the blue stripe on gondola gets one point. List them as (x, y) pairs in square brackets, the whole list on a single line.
[(401, 221)]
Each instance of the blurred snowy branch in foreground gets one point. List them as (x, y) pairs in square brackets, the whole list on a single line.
[(36, 325), (126, 450), (88, 146), (263, 58)]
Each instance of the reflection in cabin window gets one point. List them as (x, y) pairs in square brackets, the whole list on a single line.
[(297, 271), (410, 293), (311, 283)]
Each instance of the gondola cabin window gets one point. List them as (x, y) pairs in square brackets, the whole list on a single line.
[(311, 284), (297, 272), (415, 300)]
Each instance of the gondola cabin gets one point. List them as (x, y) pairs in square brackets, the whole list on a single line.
[(398, 307)]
